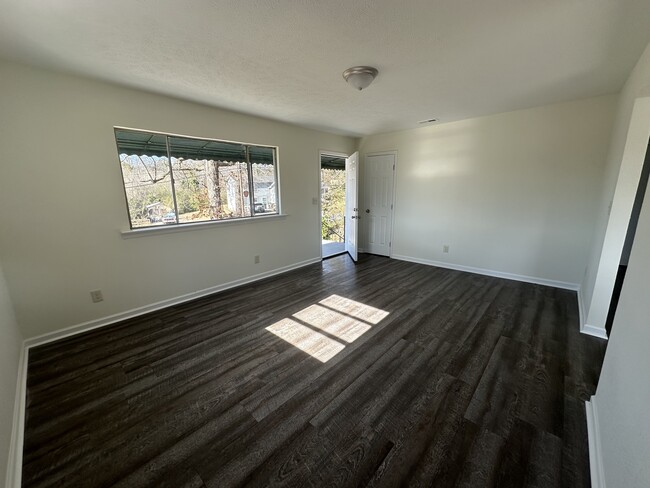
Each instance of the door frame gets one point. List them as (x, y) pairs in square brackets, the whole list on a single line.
[(320, 195), (393, 195), (631, 159)]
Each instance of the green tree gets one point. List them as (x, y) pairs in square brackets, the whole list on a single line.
[(333, 204)]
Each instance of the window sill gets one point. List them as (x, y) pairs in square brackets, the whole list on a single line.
[(171, 229)]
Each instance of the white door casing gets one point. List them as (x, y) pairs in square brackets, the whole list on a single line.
[(352, 206), (379, 176)]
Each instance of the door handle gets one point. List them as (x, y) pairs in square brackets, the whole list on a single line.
[(367, 210)]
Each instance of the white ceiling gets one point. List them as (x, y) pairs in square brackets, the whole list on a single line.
[(283, 59)]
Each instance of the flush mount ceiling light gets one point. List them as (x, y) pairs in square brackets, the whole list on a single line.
[(360, 77)]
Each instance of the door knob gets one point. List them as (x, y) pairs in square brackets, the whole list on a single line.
[(367, 210)]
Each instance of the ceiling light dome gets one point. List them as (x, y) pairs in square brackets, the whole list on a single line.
[(360, 77)]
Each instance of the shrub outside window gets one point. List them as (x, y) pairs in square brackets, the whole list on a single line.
[(175, 180)]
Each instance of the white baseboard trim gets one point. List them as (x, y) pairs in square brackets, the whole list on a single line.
[(592, 330), (585, 328), (111, 319), (489, 272), (595, 449), (15, 461), (13, 478)]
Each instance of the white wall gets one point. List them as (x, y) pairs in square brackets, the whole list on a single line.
[(10, 347), (63, 205), (627, 149), (513, 193), (623, 395)]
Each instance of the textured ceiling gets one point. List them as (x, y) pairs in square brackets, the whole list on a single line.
[(283, 59)]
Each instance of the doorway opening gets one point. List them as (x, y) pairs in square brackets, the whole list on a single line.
[(333, 200), (629, 240)]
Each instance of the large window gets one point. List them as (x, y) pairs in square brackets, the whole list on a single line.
[(172, 180)]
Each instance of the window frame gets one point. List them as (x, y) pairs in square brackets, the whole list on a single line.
[(251, 184)]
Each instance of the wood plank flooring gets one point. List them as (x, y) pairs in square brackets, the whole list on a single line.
[(380, 374)]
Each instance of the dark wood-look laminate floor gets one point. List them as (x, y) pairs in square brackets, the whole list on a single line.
[(303, 380)]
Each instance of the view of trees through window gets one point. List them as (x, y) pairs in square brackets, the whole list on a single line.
[(333, 204), (206, 180)]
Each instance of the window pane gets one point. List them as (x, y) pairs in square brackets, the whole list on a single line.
[(147, 180), (264, 179), (204, 180), (210, 179)]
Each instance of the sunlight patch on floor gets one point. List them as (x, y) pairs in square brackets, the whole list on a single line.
[(308, 340), (334, 323), (359, 310), (337, 317)]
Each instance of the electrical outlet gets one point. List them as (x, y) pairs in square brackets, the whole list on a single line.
[(445, 248), (96, 296), (257, 259)]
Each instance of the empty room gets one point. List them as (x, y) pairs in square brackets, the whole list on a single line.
[(309, 244)]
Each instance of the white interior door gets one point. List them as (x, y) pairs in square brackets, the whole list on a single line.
[(352, 206), (379, 174)]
